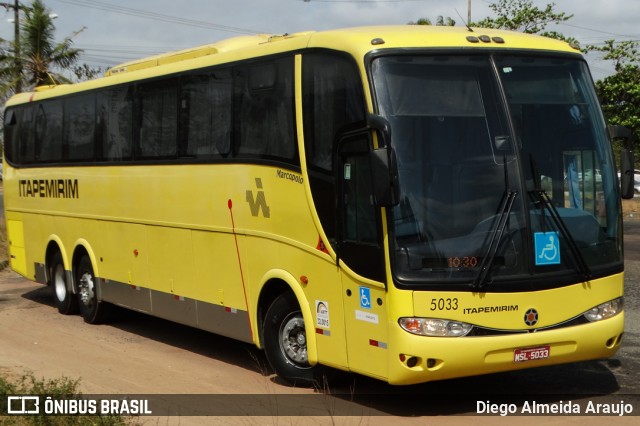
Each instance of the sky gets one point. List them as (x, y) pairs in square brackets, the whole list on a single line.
[(116, 31)]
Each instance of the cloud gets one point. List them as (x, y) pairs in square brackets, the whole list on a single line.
[(127, 30)]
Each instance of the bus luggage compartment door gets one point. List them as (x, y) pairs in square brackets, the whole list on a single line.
[(15, 231)]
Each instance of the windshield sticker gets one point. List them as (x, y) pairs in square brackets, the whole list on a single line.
[(547, 246)]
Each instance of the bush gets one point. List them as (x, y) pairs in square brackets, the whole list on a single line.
[(28, 384)]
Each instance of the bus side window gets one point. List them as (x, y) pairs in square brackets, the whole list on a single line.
[(49, 131), (12, 119), (26, 149), (115, 115), (205, 115), (360, 222), (265, 123), (332, 99), (80, 124), (359, 240), (158, 120)]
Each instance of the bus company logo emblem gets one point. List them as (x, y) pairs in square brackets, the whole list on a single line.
[(259, 202), (531, 317)]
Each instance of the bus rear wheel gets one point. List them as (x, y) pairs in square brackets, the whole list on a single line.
[(92, 310), (285, 342), (63, 299)]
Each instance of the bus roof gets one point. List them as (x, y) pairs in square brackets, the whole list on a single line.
[(359, 39), (356, 41), (365, 39)]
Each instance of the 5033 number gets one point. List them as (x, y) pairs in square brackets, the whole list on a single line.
[(444, 304)]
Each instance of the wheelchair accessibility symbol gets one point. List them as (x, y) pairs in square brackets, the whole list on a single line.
[(365, 297), (547, 248)]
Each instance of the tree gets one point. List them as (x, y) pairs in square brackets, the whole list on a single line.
[(40, 59), (85, 72), (440, 22), (41, 56), (619, 93), (523, 16)]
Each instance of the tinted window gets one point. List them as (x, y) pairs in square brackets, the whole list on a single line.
[(332, 99), (115, 114), (80, 127), (205, 110), (244, 112), (158, 120), (265, 110), (49, 131), (12, 118), (26, 145)]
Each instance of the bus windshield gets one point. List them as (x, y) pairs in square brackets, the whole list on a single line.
[(505, 168)]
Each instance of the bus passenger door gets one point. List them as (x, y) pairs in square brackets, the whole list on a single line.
[(361, 254)]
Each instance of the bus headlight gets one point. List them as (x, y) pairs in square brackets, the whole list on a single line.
[(606, 310), (435, 327)]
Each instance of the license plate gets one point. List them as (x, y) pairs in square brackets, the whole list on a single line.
[(531, 354)]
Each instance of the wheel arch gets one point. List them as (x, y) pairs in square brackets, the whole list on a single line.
[(54, 246), (276, 283)]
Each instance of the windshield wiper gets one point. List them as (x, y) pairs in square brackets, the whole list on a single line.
[(541, 196), (506, 205)]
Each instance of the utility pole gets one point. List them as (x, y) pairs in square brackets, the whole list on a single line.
[(468, 12), (16, 41)]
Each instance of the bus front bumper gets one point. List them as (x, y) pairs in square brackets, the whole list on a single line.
[(419, 359)]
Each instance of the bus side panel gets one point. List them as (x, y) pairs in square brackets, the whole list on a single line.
[(17, 255), (216, 270), (170, 260), (122, 252), (365, 315), (318, 277), (32, 232), (278, 237), (221, 305)]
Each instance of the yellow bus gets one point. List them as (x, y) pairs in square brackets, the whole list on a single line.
[(408, 203)]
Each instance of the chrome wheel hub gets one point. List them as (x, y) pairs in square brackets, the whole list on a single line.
[(86, 289), (59, 283), (293, 340)]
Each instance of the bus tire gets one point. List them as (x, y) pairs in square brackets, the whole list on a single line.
[(92, 310), (63, 299), (285, 342)]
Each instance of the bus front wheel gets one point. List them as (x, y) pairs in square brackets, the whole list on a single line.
[(92, 310), (285, 342), (63, 299)]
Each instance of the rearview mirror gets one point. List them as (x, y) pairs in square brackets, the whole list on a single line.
[(626, 159), (384, 168)]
